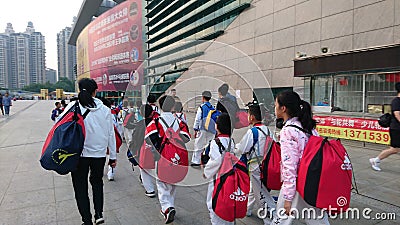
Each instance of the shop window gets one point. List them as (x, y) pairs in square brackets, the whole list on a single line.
[(380, 90), (322, 88), (348, 93)]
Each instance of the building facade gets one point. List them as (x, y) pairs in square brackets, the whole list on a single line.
[(66, 55), (254, 46), (22, 57), (273, 34), (51, 76)]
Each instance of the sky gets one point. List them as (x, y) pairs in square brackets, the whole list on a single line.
[(48, 16)]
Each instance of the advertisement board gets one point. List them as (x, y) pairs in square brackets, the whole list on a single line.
[(110, 48), (359, 129)]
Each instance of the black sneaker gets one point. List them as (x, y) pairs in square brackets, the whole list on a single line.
[(150, 194), (195, 165), (87, 223), (169, 215), (98, 218)]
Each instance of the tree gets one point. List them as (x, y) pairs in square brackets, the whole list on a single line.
[(65, 84)]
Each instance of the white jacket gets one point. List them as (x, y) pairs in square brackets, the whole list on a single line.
[(212, 167), (99, 129), (246, 144)]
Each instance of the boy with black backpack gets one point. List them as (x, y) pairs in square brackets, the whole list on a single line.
[(252, 146), (168, 135), (203, 134)]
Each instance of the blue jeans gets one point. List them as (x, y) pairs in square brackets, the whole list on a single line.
[(7, 110)]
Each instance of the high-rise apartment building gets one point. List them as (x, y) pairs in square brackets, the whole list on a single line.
[(51, 76), (22, 57), (66, 54)]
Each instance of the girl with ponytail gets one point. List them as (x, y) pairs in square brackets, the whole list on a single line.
[(297, 128), (100, 135), (87, 90)]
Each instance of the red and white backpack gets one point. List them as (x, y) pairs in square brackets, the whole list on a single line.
[(173, 165), (231, 188)]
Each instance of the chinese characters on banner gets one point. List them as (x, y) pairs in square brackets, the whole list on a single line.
[(110, 49), (359, 129)]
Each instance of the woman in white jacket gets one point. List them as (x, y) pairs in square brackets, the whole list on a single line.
[(99, 136)]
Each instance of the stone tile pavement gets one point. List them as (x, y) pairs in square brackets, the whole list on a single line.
[(31, 195)]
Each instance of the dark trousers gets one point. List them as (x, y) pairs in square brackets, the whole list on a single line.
[(80, 183), (7, 109), (2, 111)]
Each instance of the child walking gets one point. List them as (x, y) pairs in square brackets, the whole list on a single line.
[(201, 135), (155, 133), (294, 111), (254, 151), (146, 163), (222, 141)]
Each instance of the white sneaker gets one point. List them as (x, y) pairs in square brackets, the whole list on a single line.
[(374, 164), (110, 174)]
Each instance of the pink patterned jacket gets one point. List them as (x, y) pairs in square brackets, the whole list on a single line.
[(293, 142)]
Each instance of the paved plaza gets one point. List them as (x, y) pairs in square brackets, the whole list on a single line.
[(31, 195)]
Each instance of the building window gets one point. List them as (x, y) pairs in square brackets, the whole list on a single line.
[(321, 95), (348, 93), (367, 93)]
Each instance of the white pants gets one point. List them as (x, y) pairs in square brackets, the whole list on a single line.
[(259, 194), (166, 194), (215, 220), (299, 204), (128, 136), (200, 143), (147, 180)]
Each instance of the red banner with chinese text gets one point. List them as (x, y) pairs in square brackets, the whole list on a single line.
[(358, 129), (110, 48)]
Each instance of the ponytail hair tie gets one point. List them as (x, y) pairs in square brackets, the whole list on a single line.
[(84, 89), (301, 104)]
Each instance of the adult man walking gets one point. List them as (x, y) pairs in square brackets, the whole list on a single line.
[(7, 103), (394, 132)]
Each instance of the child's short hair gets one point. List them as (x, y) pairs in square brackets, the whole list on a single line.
[(56, 104), (178, 107), (224, 124), (151, 99), (206, 95), (255, 110), (223, 89), (166, 103), (146, 110)]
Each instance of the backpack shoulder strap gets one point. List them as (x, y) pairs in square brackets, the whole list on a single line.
[(255, 135), (301, 129), (255, 141), (266, 135), (220, 145), (86, 113), (166, 124)]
